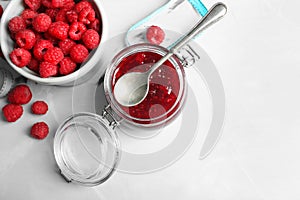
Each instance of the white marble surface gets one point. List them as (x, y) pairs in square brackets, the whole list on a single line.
[(256, 50)]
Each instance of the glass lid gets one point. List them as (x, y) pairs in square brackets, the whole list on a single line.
[(86, 149)]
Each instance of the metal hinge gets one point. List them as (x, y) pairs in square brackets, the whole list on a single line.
[(188, 56), (111, 116)]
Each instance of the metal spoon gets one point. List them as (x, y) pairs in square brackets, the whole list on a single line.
[(132, 88)]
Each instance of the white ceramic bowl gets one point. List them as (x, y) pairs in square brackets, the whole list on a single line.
[(15, 8)]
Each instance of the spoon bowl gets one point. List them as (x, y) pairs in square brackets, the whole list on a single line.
[(133, 92)]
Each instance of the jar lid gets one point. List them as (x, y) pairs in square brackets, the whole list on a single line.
[(86, 149)]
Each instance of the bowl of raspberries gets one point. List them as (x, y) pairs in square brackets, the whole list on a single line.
[(53, 42)]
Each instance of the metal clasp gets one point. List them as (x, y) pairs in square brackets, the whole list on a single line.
[(110, 116), (188, 56)]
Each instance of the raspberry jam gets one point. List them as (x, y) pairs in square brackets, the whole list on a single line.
[(164, 89)]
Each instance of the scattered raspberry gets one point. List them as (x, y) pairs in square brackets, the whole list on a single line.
[(1, 11), (59, 30), (20, 57), (40, 48), (66, 66), (16, 24), (39, 108), (71, 16), (34, 65), (39, 130), (53, 55), (79, 53), (95, 25), (12, 112), (33, 4), (87, 15), (21, 94), (52, 12), (66, 45), (91, 39), (155, 35), (47, 69), (41, 22), (82, 4), (28, 16), (61, 16), (76, 30), (25, 39)]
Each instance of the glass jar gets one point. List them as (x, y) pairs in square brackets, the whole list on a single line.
[(86, 146), (167, 85)]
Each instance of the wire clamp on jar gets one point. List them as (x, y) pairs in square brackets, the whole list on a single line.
[(188, 56), (109, 115)]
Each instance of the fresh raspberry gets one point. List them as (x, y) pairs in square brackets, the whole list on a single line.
[(39, 130), (34, 65), (25, 39), (20, 57), (82, 4), (41, 22), (87, 15), (76, 30), (95, 25), (1, 11), (60, 3), (16, 24), (50, 38), (39, 108), (47, 69), (53, 55), (33, 4), (21, 94), (59, 30), (12, 112), (72, 16), (38, 36), (79, 53), (69, 6), (52, 12), (66, 45), (40, 47), (155, 35), (28, 16), (61, 16), (66, 66), (47, 3), (91, 39)]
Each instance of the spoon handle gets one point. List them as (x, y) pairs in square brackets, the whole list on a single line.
[(213, 15)]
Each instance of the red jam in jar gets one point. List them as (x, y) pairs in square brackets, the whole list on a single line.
[(164, 87)]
